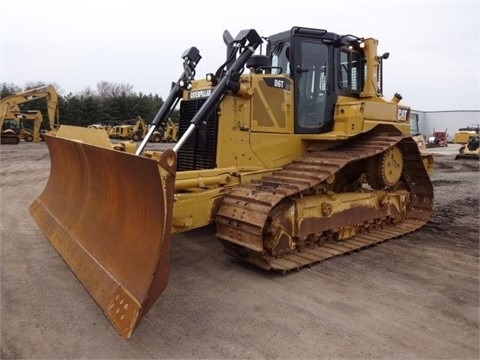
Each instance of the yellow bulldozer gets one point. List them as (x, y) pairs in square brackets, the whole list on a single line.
[(11, 114), (295, 155)]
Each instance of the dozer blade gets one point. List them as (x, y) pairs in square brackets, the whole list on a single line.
[(109, 215)]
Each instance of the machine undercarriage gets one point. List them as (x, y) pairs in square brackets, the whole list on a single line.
[(316, 207)]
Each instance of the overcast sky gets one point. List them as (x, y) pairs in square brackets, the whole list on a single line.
[(434, 45)]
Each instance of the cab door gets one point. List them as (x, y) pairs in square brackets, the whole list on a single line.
[(312, 78)]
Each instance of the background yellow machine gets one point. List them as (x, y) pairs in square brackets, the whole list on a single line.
[(135, 131), (462, 135), (295, 155), (471, 150), (11, 115), (20, 117)]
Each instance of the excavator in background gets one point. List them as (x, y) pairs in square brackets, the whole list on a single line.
[(295, 155), (10, 107), (26, 133), (462, 135), (471, 150)]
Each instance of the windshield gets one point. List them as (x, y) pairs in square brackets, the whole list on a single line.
[(351, 70), (10, 124)]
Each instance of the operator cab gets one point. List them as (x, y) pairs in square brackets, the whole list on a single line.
[(10, 124), (322, 65)]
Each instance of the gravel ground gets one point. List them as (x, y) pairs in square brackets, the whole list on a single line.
[(411, 297)]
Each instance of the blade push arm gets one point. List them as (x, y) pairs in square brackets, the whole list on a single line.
[(244, 45), (190, 57)]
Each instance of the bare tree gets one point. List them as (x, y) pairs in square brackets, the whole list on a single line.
[(107, 89), (86, 92)]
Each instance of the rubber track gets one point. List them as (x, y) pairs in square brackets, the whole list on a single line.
[(245, 211)]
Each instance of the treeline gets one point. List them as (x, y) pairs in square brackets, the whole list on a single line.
[(109, 103)]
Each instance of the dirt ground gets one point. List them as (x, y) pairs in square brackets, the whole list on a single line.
[(412, 297)]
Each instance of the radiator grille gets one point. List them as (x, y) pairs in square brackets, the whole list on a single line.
[(199, 151)]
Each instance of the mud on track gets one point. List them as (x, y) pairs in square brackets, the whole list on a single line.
[(412, 297)]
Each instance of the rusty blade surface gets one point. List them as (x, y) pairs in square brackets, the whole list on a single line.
[(109, 215)]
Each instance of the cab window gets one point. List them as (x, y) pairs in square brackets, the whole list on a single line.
[(351, 70), (281, 59)]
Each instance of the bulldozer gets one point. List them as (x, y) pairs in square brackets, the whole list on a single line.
[(295, 155), (471, 150), (10, 112)]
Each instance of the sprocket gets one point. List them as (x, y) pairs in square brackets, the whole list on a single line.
[(385, 170)]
